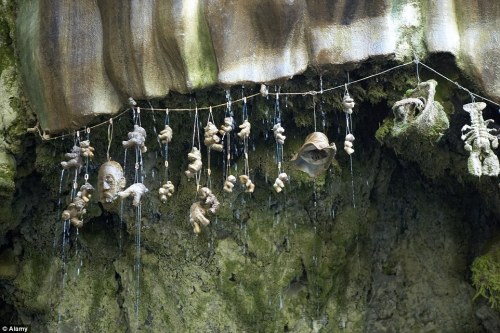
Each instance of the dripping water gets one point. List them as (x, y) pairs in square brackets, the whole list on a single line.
[(59, 202)]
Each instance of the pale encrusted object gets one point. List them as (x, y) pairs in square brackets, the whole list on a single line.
[(212, 140), (136, 138), (166, 191), (244, 132), (86, 149), (76, 209), (207, 203), (348, 103), (315, 155), (263, 90), (136, 191), (279, 183), (166, 134), (479, 142), (247, 182), (278, 133), (229, 183), (195, 163), (406, 109), (228, 126), (73, 159), (348, 143)]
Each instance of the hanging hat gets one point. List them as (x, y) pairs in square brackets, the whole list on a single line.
[(315, 155)]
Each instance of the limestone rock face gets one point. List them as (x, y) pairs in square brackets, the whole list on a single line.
[(83, 59)]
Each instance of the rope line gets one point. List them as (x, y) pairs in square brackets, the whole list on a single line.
[(416, 62)]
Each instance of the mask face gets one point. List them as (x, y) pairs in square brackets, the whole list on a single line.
[(110, 181)]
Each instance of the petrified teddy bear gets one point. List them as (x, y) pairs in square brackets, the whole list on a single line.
[(212, 140), (245, 130), (86, 149), (207, 203), (195, 163), (74, 159), (136, 138), (76, 209), (165, 135), (278, 133), (166, 191), (136, 190)]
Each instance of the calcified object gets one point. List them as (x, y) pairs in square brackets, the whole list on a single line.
[(165, 135), (479, 142), (229, 183), (227, 126), (348, 144), (110, 181), (244, 132), (247, 182), (166, 191), (263, 90), (278, 133), (136, 191), (212, 140), (279, 183), (76, 209), (136, 138), (86, 149), (406, 109), (73, 159), (315, 155), (207, 203), (195, 163), (348, 104)]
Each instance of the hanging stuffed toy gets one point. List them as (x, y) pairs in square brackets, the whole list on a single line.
[(76, 209), (166, 191), (244, 132), (227, 126), (278, 133), (74, 159), (86, 149), (136, 138), (195, 163), (165, 135), (212, 140), (207, 203), (348, 104), (247, 182), (279, 182), (229, 183), (136, 191)]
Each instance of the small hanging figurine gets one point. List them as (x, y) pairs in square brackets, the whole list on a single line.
[(165, 135), (278, 133), (227, 126), (74, 159), (263, 90), (136, 138), (212, 140), (136, 190), (86, 149), (229, 183), (349, 138), (244, 132), (166, 191), (247, 182), (195, 163), (76, 209), (348, 104), (479, 142), (207, 203), (279, 182)]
